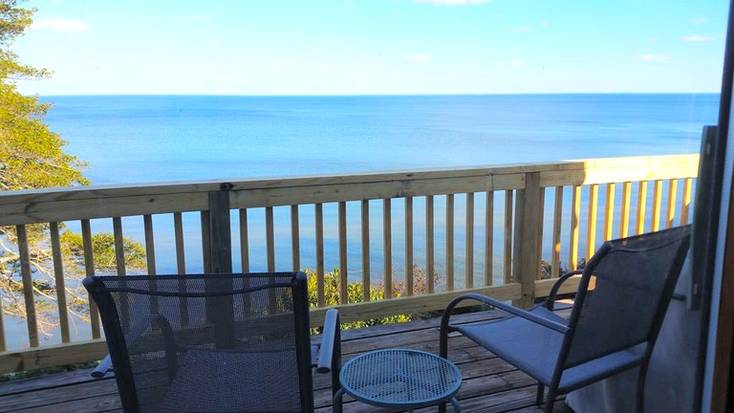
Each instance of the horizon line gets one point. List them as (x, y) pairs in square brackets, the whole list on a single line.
[(370, 94)]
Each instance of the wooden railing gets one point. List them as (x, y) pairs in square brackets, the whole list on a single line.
[(524, 190)]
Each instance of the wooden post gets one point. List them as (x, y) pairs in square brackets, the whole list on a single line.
[(527, 219), (219, 249)]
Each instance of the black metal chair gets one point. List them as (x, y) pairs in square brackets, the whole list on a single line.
[(622, 297), (214, 342)]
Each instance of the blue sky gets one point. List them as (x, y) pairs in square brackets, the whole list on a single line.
[(275, 47)]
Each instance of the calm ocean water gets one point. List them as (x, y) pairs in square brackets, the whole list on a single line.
[(132, 139)]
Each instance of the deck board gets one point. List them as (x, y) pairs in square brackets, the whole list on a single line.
[(490, 384)]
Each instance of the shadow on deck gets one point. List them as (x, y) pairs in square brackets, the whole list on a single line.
[(490, 384)]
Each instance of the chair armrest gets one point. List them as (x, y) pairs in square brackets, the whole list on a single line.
[(105, 366), (504, 307), (330, 348), (550, 300)]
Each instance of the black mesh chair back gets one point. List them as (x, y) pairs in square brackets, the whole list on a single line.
[(624, 293), (217, 342)]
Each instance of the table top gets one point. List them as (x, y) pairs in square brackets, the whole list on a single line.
[(400, 378)]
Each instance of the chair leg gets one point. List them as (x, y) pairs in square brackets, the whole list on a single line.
[(539, 394), (640, 400), (550, 400), (443, 352)]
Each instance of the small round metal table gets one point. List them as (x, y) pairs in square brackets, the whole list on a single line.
[(399, 378)]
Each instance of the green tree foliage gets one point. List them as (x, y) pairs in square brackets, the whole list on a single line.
[(32, 156)]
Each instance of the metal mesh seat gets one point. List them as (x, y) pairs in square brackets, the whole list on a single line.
[(210, 343), (621, 301)]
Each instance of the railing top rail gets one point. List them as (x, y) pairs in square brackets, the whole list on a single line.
[(29, 206)]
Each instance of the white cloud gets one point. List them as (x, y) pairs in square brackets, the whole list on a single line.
[(699, 20), (454, 2), (696, 38), (652, 57), (60, 25), (419, 58)]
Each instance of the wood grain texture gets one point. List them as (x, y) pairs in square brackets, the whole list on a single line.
[(244, 241), (609, 212), (343, 270), (270, 238), (409, 246), (469, 242), (60, 284), (591, 221), (450, 242), (319, 232), (89, 271), (295, 239), (573, 253), (641, 206), (387, 245), (430, 253), (672, 195), (178, 235), (489, 239), (686, 201), (624, 212), (28, 289), (119, 246), (557, 222), (366, 281), (507, 236)]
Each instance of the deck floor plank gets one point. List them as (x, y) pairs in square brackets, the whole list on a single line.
[(490, 384)]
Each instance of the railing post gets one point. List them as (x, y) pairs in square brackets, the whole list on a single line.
[(218, 250), (526, 252)]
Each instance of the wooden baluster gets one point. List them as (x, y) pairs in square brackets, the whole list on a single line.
[(205, 240), (430, 271), (150, 258), (295, 239), (539, 247), (469, 231), (59, 279), (624, 215), (387, 245), (557, 220), (450, 242), (244, 241), (508, 237), (591, 230), (672, 194), (657, 205), (119, 246), (488, 238), (179, 241), (120, 263), (89, 272), (319, 222), (181, 266), (609, 213), (409, 246), (270, 238), (366, 282), (573, 256), (641, 205), (343, 275), (686, 200), (25, 272)]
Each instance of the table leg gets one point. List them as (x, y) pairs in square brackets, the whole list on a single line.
[(337, 403), (455, 403)]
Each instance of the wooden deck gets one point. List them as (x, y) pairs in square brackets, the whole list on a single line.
[(490, 385)]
